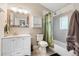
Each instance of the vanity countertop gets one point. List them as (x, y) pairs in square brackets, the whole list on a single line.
[(21, 35)]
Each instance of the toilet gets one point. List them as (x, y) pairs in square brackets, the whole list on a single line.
[(41, 44), (40, 48)]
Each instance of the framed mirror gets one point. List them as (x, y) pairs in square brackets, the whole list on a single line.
[(19, 20)]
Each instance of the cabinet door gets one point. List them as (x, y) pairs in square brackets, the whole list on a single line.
[(7, 46), (18, 46), (18, 43), (27, 45)]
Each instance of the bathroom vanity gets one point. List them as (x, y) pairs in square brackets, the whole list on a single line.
[(17, 45)]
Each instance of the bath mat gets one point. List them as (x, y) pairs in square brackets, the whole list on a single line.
[(56, 54)]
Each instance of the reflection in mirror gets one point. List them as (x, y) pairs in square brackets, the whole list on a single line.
[(18, 19)]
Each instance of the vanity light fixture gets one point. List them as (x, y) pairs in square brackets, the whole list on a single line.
[(24, 11), (14, 9), (20, 10)]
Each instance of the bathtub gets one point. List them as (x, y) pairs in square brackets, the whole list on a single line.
[(60, 48)]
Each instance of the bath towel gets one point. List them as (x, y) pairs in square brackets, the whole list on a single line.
[(73, 33)]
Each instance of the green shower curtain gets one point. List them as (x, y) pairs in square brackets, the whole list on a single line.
[(47, 31)]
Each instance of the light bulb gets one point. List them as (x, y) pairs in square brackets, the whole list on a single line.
[(20, 10), (14, 9)]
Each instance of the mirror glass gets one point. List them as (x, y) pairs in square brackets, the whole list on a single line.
[(17, 19)]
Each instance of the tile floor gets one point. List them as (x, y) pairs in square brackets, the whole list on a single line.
[(41, 53)]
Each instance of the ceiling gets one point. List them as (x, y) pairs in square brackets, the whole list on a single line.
[(54, 6)]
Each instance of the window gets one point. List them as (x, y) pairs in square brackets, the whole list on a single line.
[(64, 22)]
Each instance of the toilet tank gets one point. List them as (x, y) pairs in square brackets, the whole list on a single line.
[(39, 37)]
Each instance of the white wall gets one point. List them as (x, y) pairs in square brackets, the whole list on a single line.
[(76, 6), (66, 9)]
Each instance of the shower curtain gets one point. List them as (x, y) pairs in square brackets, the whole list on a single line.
[(47, 29)]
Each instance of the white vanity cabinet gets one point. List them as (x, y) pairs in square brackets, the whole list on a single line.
[(16, 46)]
